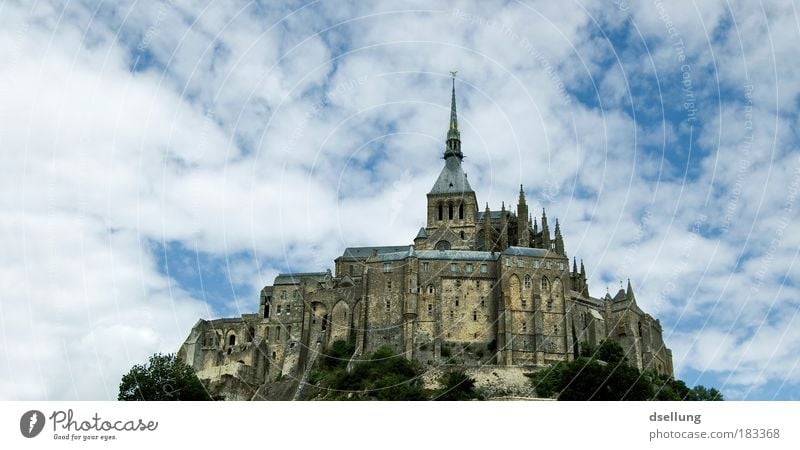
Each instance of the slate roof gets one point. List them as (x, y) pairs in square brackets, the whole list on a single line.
[(452, 179), (492, 215), (525, 251), (365, 252), (454, 255), (296, 278), (423, 234)]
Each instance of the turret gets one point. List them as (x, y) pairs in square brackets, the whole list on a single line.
[(522, 220), (559, 241), (545, 231), (488, 244), (503, 228)]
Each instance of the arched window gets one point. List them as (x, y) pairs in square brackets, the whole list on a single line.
[(528, 282), (251, 334), (442, 245), (640, 329), (431, 289), (232, 339), (450, 211), (461, 212), (545, 284), (266, 308), (441, 211), (463, 236)]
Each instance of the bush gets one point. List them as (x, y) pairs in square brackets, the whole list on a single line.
[(457, 385), (163, 378), (382, 376)]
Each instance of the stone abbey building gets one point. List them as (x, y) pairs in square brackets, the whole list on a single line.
[(476, 288)]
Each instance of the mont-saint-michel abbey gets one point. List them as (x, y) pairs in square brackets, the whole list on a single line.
[(488, 290)]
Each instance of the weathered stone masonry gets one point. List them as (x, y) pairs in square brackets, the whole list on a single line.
[(475, 288)]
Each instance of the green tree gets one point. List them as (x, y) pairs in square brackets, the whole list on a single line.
[(457, 385), (164, 377), (603, 373), (381, 376)]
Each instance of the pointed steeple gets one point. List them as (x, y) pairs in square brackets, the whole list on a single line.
[(545, 231), (574, 266), (524, 238), (559, 241), (629, 291), (453, 147)]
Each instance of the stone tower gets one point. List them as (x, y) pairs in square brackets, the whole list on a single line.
[(451, 202)]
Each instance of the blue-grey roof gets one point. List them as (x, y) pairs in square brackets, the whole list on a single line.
[(438, 254), (525, 251), (296, 278), (365, 252), (452, 179), (423, 234), (492, 215)]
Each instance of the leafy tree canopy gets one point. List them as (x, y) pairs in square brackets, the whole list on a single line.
[(164, 377)]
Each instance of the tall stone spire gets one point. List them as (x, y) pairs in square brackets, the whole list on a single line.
[(545, 231), (453, 147), (559, 241), (522, 220)]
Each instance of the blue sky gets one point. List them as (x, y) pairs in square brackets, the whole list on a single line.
[(163, 161)]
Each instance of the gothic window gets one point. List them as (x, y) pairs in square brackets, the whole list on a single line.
[(450, 211), (561, 266), (279, 309), (549, 265), (288, 332), (274, 355), (484, 268), (283, 295), (424, 267), (442, 245), (520, 263), (474, 316), (463, 236), (461, 215), (288, 309), (453, 267), (640, 329), (251, 334), (324, 322), (431, 289), (352, 270), (545, 284), (266, 310), (232, 339), (508, 261), (528, 282), (387, 267), (441, 213)]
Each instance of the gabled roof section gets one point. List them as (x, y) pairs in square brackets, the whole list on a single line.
[(452, 179), (423, 234), (296, 278), (366, 252), (525, 251)]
